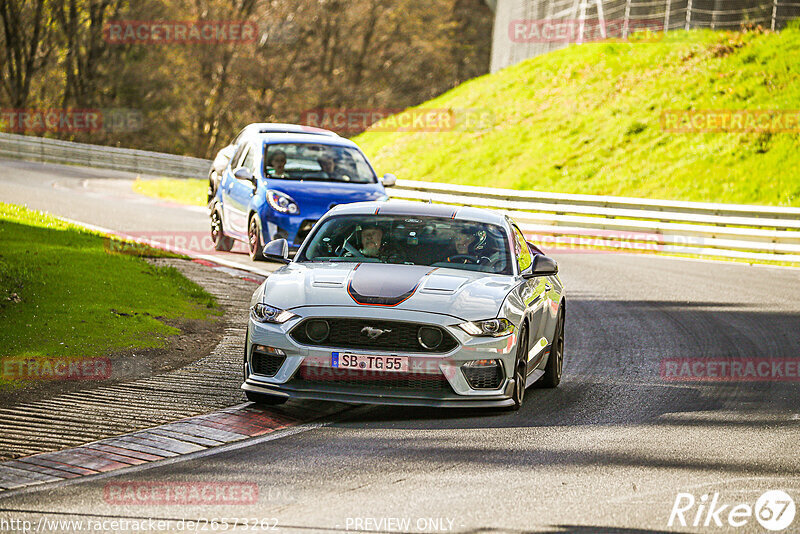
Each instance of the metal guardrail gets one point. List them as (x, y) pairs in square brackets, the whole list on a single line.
[(120, 159), (559, 222)]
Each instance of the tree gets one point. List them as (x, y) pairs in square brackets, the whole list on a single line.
[(24, 30)]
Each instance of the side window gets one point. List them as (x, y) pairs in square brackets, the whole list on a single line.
[(248, 160), (521, 250), (238, 137), (237, 156)]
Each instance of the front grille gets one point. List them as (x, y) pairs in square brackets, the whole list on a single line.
[(266, 364), (483, 377), (350, 334), (308, 375)]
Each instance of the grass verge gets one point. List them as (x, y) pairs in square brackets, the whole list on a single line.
[(182, 191), (65, 294), (588, 119)]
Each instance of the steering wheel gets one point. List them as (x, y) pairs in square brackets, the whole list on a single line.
[(467, 259), (348, 250)]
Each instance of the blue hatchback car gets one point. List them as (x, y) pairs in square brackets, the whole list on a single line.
[(276, 180)]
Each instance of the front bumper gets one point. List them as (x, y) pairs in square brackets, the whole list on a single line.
[(293, 228), (446, 368)]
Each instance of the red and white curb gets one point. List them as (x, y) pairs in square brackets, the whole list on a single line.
[(170, 441), (188, 436)]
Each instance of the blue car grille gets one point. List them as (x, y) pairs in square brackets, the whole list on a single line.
[(302, 232)]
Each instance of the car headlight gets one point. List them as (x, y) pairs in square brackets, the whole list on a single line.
[(282, 202), (264, 313), (489, 327)]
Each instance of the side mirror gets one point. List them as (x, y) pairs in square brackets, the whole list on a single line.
[(534, 249), (389, 180), (277, 250), (542, 266), (244, 174), (223, 158)]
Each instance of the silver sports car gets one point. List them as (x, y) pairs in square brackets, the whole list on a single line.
[(407, 303)]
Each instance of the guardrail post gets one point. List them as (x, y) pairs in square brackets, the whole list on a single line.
[(774, 14), (714, 15), (688, 15), (601, 18), (666, 15), (627, 20)]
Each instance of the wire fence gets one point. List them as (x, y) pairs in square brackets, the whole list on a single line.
[(527, 28)]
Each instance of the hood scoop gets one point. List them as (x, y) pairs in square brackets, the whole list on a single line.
[(375, 284), (330, 280), (442, 285)]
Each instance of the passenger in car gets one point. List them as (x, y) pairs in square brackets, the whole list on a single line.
[(460, 249), (462, 241), (277, 160)]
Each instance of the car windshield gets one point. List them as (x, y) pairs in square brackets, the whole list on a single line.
[(319, 162), (412, 240)]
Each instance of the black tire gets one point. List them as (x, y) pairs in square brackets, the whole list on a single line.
[(222, 242), (555, 362), (255, 243), (212, 187), (520, 370), (264, 399)]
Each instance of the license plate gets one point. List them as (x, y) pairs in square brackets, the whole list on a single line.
[(369, 362)]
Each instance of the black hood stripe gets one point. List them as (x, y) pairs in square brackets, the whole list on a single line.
[(378, 284)]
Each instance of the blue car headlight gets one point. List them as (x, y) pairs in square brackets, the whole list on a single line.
[(282, 203), (264, 313), (488, 328)]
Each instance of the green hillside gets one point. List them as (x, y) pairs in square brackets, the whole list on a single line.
[(588, 119)]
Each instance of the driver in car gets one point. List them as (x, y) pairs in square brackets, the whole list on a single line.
[(462, 243), (371, 241), (374, 246)]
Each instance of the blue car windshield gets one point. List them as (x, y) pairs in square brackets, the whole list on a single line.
[(318, 162), (411, 240)]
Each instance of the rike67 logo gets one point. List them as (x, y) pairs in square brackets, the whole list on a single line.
[(774, 510)]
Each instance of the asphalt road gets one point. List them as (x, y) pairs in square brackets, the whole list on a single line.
[(608, 451)]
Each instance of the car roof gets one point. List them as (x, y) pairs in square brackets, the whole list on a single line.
[(403, 207), (304, 138), (281, 127), (273, 132)]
